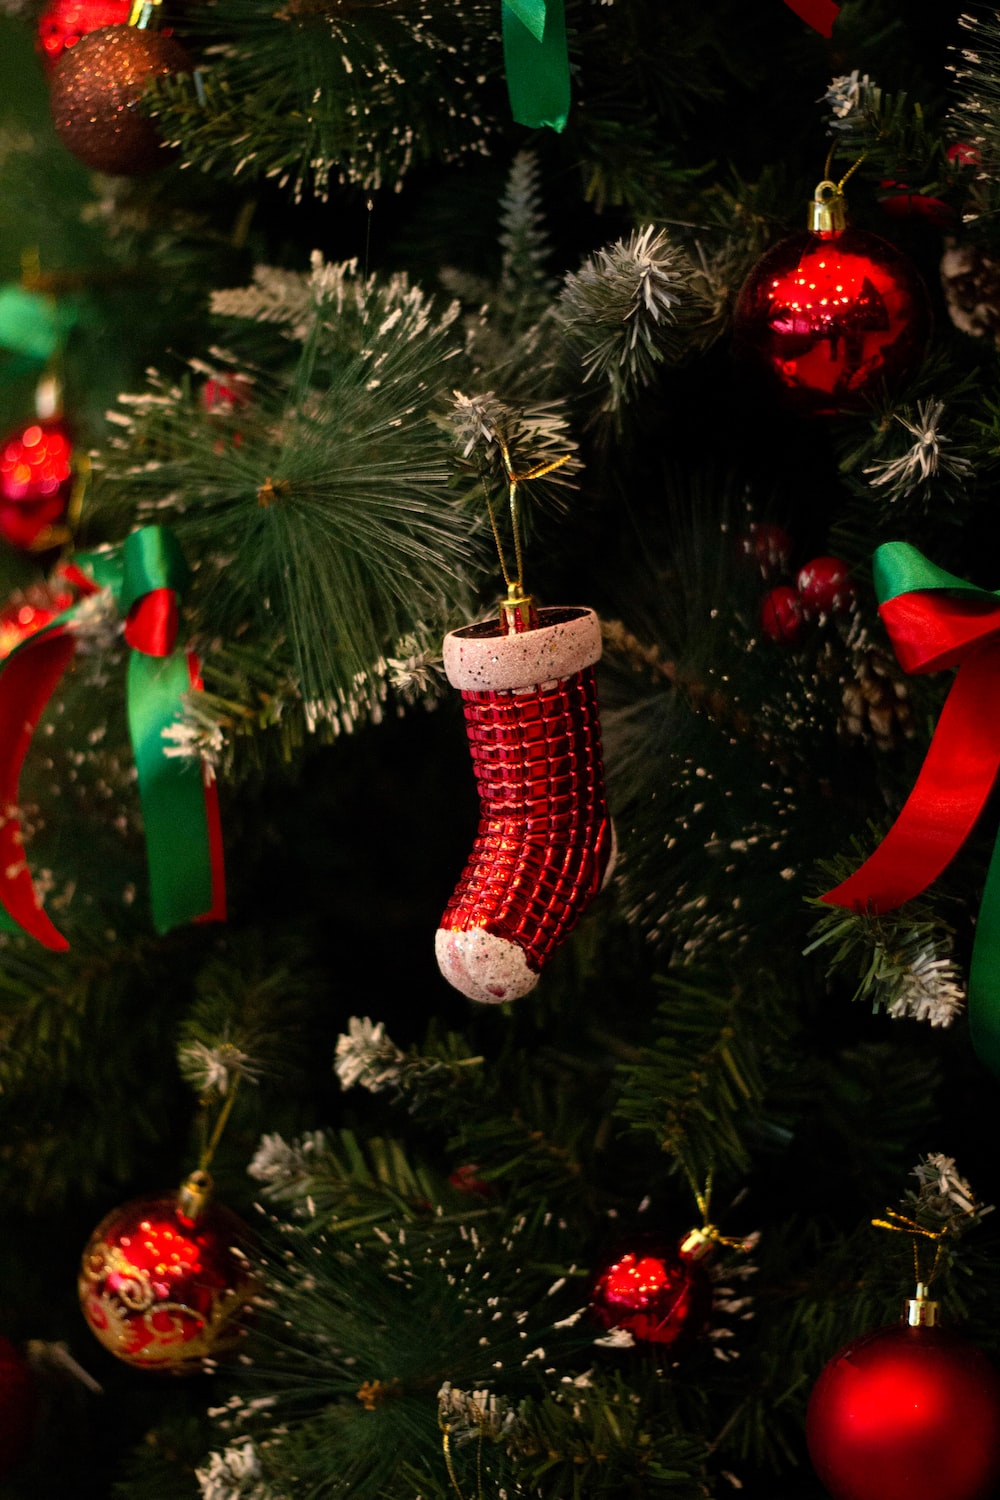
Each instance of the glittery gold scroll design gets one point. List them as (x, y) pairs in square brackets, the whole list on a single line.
[(134, 1324)]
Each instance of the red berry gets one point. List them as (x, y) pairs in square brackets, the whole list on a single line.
[(825, 587), (781, 616), (769, 546)]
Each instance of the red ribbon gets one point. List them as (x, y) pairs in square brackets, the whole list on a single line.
[(930, 631), (27, 684), (819, 14)]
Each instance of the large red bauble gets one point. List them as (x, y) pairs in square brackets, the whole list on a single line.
[(165, 1292), (906, 1414), (655, 1293), (96, 92), (64, 22), (17, 1405), (833, 318), (36, 479)]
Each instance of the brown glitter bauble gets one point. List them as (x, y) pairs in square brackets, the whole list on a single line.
[(95, 96)]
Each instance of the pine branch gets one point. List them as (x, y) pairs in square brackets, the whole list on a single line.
[(314, 96), (428, 1081), (630, 308), (903, 960), (524, 238), (700, 1088), (249, 1020), (356, 1341), (329, 528), (348, 1187)]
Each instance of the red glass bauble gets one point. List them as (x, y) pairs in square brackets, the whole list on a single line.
[(163, 1291), (769, 546), (64, 22), (781, 615), (466, 1179), (655, 1293), (906, 1414), (223, 397), (96, 93), (826, 587), (899, 201), (964, 154), (32, 608), (36, 479), (833, 319), (17, 1406)]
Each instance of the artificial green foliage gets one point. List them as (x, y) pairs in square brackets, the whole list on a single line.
[(314, 89), (364, 334), (336, 489), (700, 1088)]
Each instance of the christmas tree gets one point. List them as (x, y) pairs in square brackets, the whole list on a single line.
[(497, 552)]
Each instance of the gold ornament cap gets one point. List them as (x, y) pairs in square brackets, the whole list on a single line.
[(920, 1311), (517, 611), (145, 14), (828, 209), (697, 1244), (193, 1196)]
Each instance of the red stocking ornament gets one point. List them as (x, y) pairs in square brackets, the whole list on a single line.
[(544, 844)]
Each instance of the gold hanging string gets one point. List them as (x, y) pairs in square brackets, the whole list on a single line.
[(210, 1143), (699, 1241), (449, 1461), (513, 480), (901, 1224), (474, 1414), (851, 171), (828, 166)]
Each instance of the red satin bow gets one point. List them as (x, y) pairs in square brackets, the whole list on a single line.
[(819, 14), (930, 631)]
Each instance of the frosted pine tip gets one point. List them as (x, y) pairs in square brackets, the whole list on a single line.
[(482, 966)]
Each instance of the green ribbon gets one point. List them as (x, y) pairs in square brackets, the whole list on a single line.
[(537, 62), (32, 324), (172, 792), (900, 568)]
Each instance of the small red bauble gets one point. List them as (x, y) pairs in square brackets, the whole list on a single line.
[(833, 318), (466, 1179), (17, 1406), (825, 587), (906, 1414), (164, 1291), (64, 22), (30, 610), (655, 1293), (223, 397), (36, 479), (899, 201), (96, 93), (963, 154), (781, 616)]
